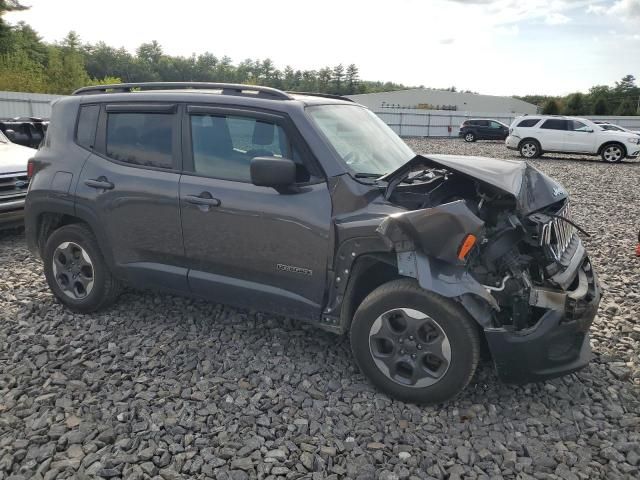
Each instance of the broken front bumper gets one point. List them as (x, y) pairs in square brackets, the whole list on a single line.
[(558, 343)]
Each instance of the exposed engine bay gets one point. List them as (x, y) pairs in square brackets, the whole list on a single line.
[(526, 255)]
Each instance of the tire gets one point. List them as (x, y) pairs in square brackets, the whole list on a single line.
[(83, 281), (434, 326), (469, 137), (530, 149), (612, 153)]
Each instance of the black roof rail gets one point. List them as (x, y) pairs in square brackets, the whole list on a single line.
[(227, 88), (323, 95)]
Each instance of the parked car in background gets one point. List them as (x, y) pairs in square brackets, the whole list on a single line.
[(26, 131), (535, 135), (13, 181), (614, 127), (422, 259), (483, 129)]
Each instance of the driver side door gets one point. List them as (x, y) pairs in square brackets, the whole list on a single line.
[(245, 244)]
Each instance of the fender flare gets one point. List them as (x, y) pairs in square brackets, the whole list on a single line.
[(450, 281)]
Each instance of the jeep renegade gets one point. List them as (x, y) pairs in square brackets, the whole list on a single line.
[(309, 206)]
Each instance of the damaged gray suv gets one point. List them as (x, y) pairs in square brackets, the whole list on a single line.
[(309, 206)]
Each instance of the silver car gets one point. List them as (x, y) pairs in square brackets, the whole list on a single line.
[(14, 181)]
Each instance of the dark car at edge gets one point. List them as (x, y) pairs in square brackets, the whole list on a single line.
[(483, 129), (309, 206)]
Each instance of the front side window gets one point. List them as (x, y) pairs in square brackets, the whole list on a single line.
[(577, 126), (141, 138), (224, 145), (555, 124), (362, 141), (496, 125)]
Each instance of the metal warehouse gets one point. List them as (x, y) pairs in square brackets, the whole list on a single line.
[(20, 104), (431, 99)]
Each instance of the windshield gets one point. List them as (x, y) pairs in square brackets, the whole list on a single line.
[(364, 142), (607, 126)]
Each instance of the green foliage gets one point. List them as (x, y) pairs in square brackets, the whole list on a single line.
[(19, 73), (627, 107), (551, 107), (600, 106), (575, 104)]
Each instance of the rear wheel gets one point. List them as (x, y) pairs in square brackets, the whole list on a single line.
[(530, 149), (76, 271), (414, 345), (470, 137), (612, 153)]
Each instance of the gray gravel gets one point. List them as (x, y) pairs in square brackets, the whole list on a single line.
[(165, 387)]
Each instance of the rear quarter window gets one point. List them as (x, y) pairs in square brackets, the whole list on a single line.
[(87, 123), (529, 122)]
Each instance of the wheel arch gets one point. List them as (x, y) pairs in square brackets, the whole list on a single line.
[(369, 271), (529, 139), (613, 142)]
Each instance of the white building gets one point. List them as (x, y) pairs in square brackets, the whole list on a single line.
[(431, 99)]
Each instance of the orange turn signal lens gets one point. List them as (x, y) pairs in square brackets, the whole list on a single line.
[(467, 245)]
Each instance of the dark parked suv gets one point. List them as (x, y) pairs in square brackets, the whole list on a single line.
[(483, 129), (311, 207)]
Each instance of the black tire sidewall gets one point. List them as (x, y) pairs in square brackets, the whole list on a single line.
[(78, 235), (452, 319)]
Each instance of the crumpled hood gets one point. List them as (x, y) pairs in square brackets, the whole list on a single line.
[(531, 188), (13, 158)]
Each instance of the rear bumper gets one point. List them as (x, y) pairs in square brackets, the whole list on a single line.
[(558, 344), (11, 213)]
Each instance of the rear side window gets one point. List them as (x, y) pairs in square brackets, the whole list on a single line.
[(555, 124), (481, 123), (141, 138), (529, 122), (87, 123)]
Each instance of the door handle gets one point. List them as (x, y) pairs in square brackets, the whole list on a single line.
[(201, 199), (100, 183)]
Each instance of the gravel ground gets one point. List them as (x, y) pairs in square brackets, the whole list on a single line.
[(165, 387)]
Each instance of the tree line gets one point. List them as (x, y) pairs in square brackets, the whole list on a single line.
[(621, 99), (29, 64)]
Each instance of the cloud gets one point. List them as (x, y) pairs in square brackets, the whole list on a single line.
[(447, 41), (627, 8), (556, 18)]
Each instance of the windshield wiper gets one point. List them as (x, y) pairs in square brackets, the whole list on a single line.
[(367, 175)]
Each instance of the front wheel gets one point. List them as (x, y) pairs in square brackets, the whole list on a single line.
[(530, 149), (76, 271), (612, 153), (414, 345), (470, 137)]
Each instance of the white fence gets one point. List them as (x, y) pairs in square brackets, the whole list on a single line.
[(444, 123), (19, 104)]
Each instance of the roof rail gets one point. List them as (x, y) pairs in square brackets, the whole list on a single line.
[(323, 95), (227, 88)]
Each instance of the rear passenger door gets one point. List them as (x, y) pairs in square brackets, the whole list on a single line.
[(553, 134), (129, 188), (250, 245)]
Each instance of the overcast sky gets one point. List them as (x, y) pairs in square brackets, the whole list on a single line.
[(499, 47)]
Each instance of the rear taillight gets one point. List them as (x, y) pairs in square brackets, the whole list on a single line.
[(31, 168)]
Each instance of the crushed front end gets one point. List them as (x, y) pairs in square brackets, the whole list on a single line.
[(548, 295), (527, 281)]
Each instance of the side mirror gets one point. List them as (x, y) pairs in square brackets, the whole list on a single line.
[(10, 134), (272, 172)]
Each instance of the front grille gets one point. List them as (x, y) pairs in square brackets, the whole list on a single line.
[(13, 185), (557, 233)]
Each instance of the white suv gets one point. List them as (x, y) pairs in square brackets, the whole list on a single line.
[(535, 135)]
